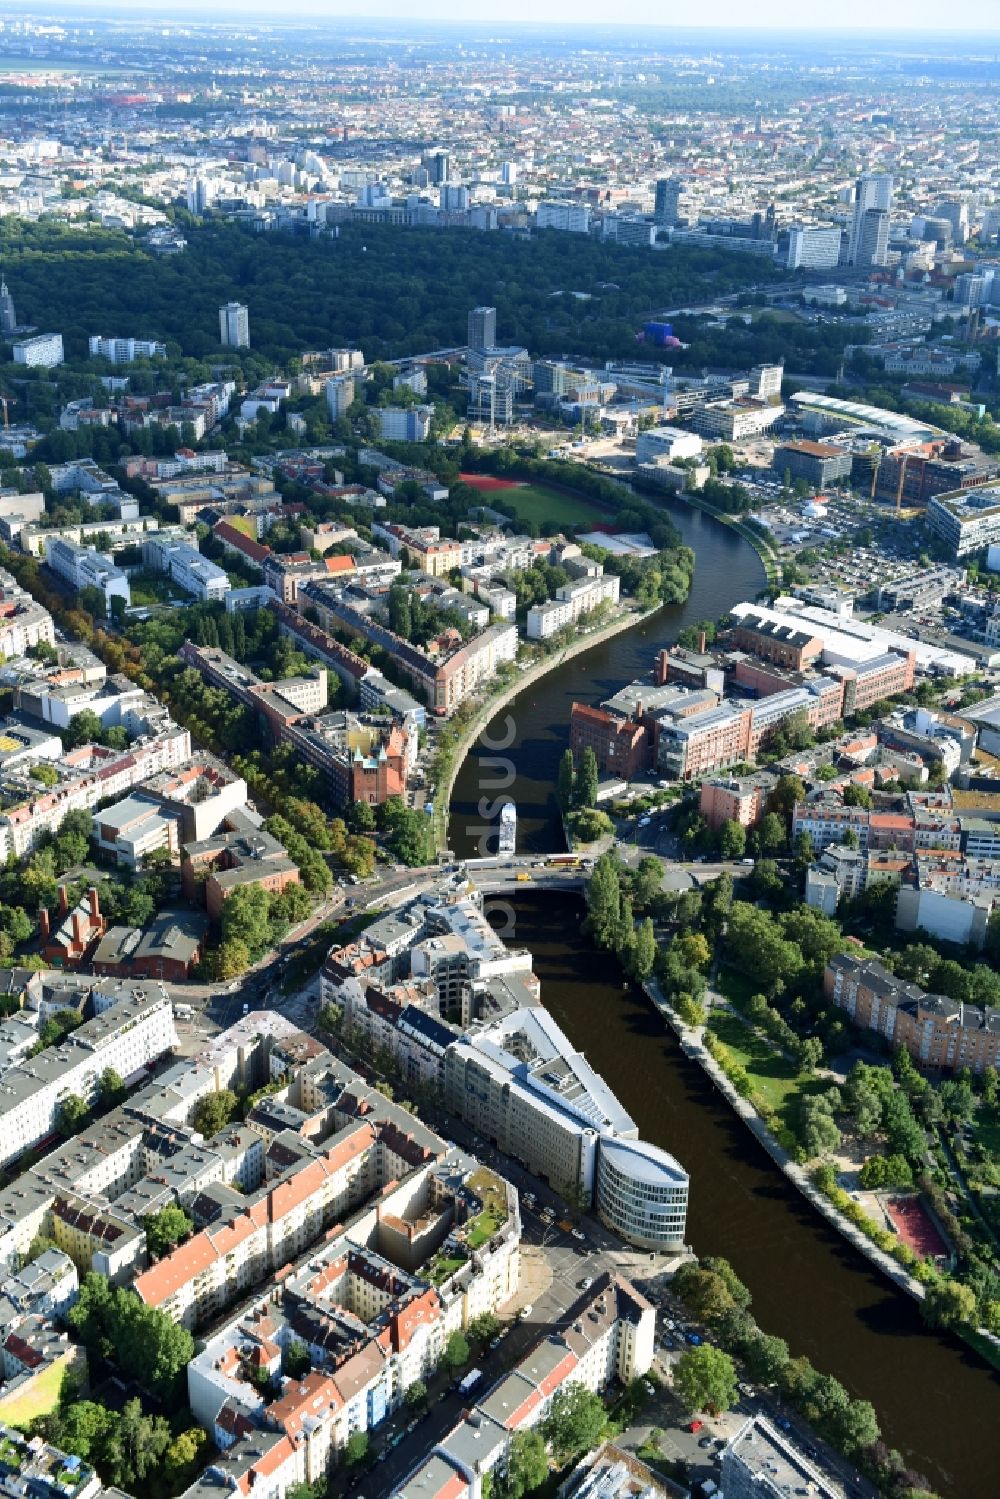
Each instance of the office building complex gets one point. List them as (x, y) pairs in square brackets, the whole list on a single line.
[(558, 214), (183, 563), (234, 326), (872, 248), (818, 463), (966, 521)]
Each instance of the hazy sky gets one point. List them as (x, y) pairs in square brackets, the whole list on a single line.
[(903, 17)]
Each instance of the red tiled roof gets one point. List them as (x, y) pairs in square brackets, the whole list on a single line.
[(242, 543)]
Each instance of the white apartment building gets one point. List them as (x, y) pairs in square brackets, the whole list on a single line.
[(404, 423), (126, 350), (234, 326), (571, 601), (733, 421), (187, 567), (126, 1037), (26, 624), (664, 444), (43, 351), (765, 381), (813, 246), (966, 520), (339, 395), (555, 213), (85, 568)]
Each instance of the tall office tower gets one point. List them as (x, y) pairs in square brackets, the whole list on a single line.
[(957, 213), (973, 290), (438, 164), (483, 328), (872, 190), (454, 197), (234, 326), (873, 241), (508, 173), (8, 319), (668, 196)]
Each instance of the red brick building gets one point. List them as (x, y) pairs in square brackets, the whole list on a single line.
[(621, 745), (230, 860)]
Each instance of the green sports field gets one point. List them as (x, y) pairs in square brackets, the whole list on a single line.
[(539, 503)]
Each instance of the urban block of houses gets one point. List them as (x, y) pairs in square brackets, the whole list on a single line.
[(436, 987), (608, 1337), (941, 1034)]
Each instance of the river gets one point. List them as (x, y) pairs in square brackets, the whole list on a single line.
[(936, 1401), (728, 570)]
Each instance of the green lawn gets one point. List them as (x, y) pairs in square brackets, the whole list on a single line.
[(777, 1080), (443, 1266), (41, 1397), (482, 1229), (987, 1131), (154, 588), (539, 503)]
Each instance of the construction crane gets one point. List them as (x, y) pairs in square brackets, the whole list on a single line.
[(902, 480)]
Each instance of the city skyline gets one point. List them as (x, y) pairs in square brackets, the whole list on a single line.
[(912, 19)]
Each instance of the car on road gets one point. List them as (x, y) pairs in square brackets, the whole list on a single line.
[(586, 1283), (695, 1425), (706, 1441), (579, 1234), (246, 1009), (525, 1312)]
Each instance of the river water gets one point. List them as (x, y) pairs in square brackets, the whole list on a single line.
[(936, 1401), (728, 570)]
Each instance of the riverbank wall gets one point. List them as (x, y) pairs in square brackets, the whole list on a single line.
[(693, 1046), (770, 562)]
